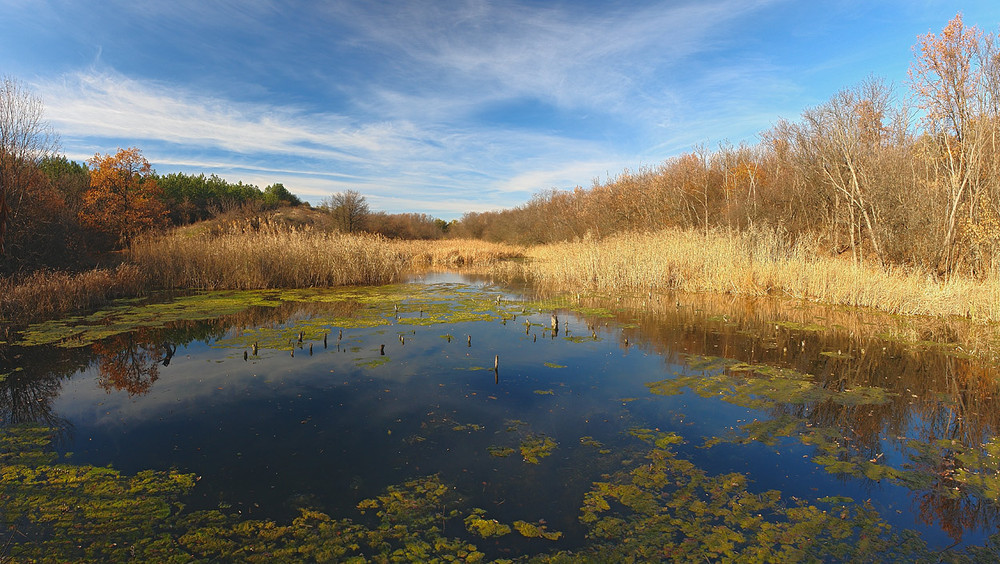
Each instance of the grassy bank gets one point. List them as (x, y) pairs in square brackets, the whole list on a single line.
[(43, 294), (756, 263), (254, 255), (257, 254), (243, 255)]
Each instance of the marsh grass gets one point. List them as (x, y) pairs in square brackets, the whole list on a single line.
[(242, 254), (755, 263), (458, 253), (46, 294), (259, 254)]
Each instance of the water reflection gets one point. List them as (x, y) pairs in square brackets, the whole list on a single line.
[(409, 386), (936, 393)]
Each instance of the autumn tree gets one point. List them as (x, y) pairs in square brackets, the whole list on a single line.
[(845, 139), (349, 210), (954, 77), (124, 198), (25, 139)]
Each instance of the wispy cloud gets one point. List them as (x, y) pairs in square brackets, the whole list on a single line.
[(316, 154), (407, 104)]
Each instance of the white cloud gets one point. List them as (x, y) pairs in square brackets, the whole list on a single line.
[(412, 130)]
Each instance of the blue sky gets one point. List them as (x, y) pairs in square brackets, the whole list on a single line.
[(444, 107)]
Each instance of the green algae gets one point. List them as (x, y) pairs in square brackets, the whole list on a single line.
[(760, 386), (545, 392), (81, 331), (536, 530), (485, 528), (656, 507), (351, 308), (531, 445), (534, 447), (500, 451), (666, 508), (554, 365), (373, 363)]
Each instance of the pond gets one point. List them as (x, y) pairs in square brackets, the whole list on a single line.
[(452, 418)]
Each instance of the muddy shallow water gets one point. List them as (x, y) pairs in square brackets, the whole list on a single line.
[(321, 399)]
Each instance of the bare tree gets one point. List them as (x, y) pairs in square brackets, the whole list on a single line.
[(954, 80), (25, 139), (846, 139), (349, 210)]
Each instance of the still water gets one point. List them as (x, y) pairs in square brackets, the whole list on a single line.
[(320, 399)]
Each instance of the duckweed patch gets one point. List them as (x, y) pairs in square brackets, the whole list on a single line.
[(536, 530), (657, 507), (535, 447), (485, 528), (79, 331), (667, 509), (352, 308), (500, 451), (761, 386)]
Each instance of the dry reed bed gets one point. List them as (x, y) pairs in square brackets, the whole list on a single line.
[(457, 253), (240, 255), (757, 263), (50, 294), (264, 256)]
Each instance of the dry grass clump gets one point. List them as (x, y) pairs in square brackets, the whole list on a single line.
[(759, 262), (457, 253), (253, 254), (50, 294)]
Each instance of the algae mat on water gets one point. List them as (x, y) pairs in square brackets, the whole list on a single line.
[(375, 306), (657, 507)]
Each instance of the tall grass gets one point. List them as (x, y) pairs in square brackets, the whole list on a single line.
[(258, 254), (242, 254), (760, 262), (51, 294), (457, 253)]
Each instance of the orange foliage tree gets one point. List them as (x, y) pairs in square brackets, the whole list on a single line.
[(124, 198)]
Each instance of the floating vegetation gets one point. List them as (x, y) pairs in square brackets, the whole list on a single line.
[(761, 386), (666, 508), (79, 331), (535, 447), (373, 363), (658, 507), (655, 436), (500, 451), (536, 530), (485, 528), (841, 403)]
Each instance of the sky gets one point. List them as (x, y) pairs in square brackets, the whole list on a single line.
[(445, 107)]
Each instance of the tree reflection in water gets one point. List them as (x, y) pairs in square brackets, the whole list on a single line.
[(131, 362)]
